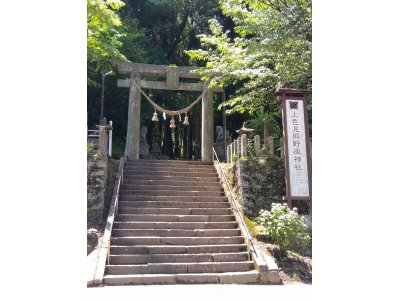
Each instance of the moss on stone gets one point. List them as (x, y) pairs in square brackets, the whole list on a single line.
[(258, 181), (252, 226)]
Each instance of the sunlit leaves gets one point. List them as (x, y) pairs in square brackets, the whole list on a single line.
[(103, 33), (272, 48)]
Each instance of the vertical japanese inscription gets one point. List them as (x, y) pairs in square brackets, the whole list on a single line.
[(296, 139)]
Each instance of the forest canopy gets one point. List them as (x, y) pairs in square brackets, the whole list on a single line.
[(249, 47)]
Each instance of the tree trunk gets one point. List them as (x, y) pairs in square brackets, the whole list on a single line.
[(167, 145), (149, 135), (178, 36)]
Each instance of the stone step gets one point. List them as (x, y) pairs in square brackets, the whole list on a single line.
[(177, 168), (175, 225), (173, 204), (132, 178), (168, 268), (179, 211), (170, 249), (137, 187), (133, 240), (167, 162), (172, 174), (172, 198), (175, 232), (170, 193), (152, 183), (183, 278), (177, 258), (173, 218)]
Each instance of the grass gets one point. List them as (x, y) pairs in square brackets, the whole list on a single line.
[(118, 148), (252, 226)]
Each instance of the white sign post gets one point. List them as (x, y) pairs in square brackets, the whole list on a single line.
[(110, 140), (297, 148)]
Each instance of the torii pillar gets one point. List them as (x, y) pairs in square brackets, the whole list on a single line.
[(133, 126), (207, 126)]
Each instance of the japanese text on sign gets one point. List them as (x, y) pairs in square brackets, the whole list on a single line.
[(297, 148)]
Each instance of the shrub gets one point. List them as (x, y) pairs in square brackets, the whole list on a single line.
[(92, 153), (285, 227)]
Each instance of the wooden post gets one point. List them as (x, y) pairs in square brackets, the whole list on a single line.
[(296, 144), (207, 126), (243, 140), (133, 130), (257, 145), (266, 130), (228, 154)]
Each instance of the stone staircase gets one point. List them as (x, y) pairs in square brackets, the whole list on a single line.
[(175, 225)]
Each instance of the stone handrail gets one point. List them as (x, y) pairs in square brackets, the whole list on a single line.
[(234, 201), (264, 263), (239, 147), (105, 247)]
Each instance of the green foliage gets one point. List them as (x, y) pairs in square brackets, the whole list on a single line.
[(92, 153), (118, 148), (285, 227), (257, 123), (270, 47), (252, 226), (251, 151), (103, 32)]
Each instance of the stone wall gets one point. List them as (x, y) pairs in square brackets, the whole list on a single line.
[(259, 182), (96, 184)]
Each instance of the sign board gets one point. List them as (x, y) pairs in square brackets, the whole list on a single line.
[(297, 151), (296, 145)]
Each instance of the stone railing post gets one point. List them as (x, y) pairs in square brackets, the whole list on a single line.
[(243, 146), (228, 153), (269, 142), (103, 140), (231, 150), (237, 144), (257, 145)]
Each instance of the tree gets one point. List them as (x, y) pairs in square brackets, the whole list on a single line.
[(172, 25), (103, 35), (270, 47)]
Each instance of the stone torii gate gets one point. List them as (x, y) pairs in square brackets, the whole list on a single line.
[(135, 71)]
